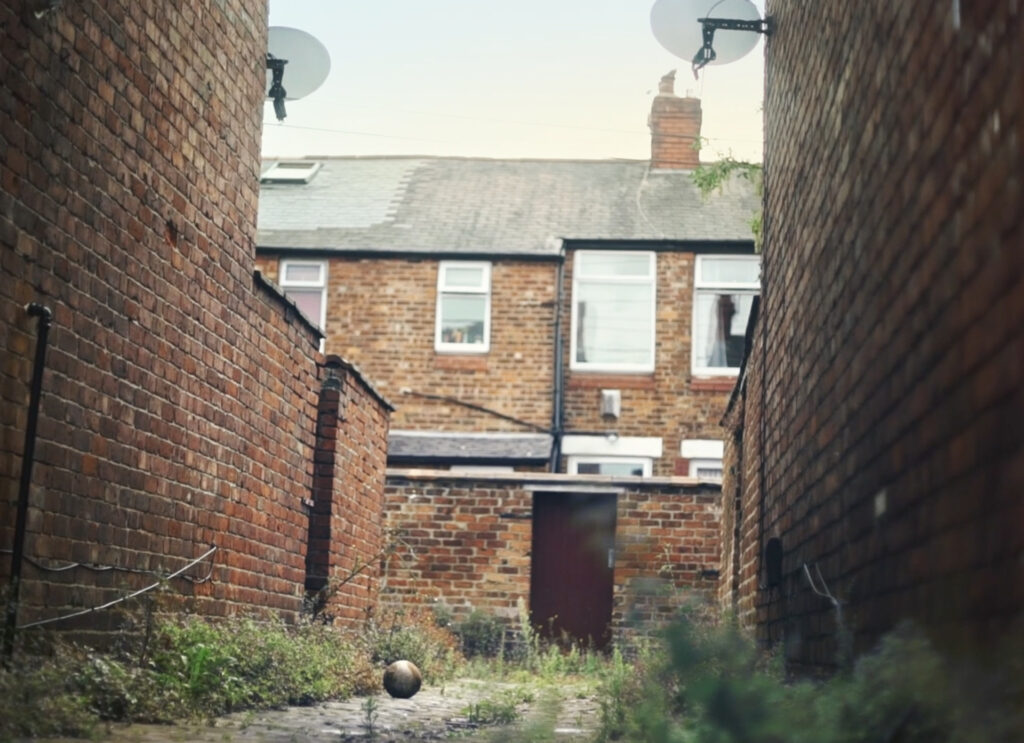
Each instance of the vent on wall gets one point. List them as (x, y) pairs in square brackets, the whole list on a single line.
[(291, 171)]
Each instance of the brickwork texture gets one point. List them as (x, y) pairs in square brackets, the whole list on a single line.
[(179, 398), (465, 542), (892, 456)]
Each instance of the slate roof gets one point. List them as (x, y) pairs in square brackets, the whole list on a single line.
[(484, 206), (491, 447)]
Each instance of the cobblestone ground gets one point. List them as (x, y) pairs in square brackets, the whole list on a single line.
[(435, 713)]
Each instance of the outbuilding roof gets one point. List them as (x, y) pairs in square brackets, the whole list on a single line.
[(501, 207)]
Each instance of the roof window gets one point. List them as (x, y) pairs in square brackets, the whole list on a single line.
[(291, 171)]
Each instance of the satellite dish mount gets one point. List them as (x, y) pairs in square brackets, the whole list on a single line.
[(308, 64), (277, 91), (708, 27)]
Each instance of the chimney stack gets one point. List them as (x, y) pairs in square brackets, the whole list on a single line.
[(675, 128)]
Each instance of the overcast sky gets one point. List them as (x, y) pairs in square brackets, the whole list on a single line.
[(531, 78)]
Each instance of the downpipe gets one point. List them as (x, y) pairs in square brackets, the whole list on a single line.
[(45, 316)]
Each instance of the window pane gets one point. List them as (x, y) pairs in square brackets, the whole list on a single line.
[(610, 468), (309, 301), (721, 324), (729, 270), (614, 264), (308, 272), (471, 277), (462, 318), (613, 323)]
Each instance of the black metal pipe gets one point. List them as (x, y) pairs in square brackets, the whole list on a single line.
[(28, 455), (557, 402)]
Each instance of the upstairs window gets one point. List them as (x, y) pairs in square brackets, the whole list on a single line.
[(305, 283), (724, 290), (613, 311), (463, 307)]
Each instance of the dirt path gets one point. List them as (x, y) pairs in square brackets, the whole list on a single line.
[(563, 713)]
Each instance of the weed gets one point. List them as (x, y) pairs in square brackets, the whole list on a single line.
[(370, 715)]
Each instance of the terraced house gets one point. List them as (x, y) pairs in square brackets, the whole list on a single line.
[(536, 315)]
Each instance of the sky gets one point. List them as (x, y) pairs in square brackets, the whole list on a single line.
[(567, 79)]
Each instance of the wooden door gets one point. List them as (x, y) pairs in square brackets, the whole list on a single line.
[(571, 573)]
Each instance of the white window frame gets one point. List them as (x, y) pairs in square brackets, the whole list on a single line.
[(483, 289), (697, 464), (321, 283), (573, 463), (700, 286), (651, 279)]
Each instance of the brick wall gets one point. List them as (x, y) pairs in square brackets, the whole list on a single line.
[(669, 402), (386, 326), (380, 316), (346, 534), (894, 310), (179, 397), (465, 541)]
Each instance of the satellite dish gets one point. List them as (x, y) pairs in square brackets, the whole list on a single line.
[(307, 61), (675, 26)]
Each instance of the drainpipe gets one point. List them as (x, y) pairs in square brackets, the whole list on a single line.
[(28, 453), (557, 413)]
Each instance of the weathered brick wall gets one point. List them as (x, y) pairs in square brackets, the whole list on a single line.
[(668, 554), (346, 533), (178, 401), (743, 511), (669, 402), (894, 303), (465, 541), (380, 316)]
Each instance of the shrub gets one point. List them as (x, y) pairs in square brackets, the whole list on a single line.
[(413, 635), (481, 635), (712, 686)]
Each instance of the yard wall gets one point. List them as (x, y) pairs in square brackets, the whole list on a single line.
[(179, 398), (892, 456), (464, 541)]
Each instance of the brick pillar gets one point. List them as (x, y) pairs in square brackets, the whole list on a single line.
[(675, 128), (329, 412)]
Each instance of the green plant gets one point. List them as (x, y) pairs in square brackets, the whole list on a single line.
[(500, 710), (481, 634), (370, 715), (712, 685), (713, 176), (412, 634)]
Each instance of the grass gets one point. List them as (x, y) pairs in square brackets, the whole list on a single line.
[(197, 669)]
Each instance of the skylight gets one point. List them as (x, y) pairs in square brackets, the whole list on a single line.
[(291, 171)]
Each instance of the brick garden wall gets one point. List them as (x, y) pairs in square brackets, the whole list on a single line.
[(179, 398), (894, 311), (465, 541), (346, 533)]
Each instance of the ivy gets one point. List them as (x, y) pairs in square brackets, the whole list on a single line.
[(713, 176)]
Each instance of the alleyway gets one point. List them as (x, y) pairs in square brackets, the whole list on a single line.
[(564, 713)]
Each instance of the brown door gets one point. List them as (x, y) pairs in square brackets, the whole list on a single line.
[(572, 565)]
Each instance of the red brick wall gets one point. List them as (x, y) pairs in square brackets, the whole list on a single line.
[(346, 534), (668, 402), (894, 305), (380, 316), (465, 541), (178, 401)]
